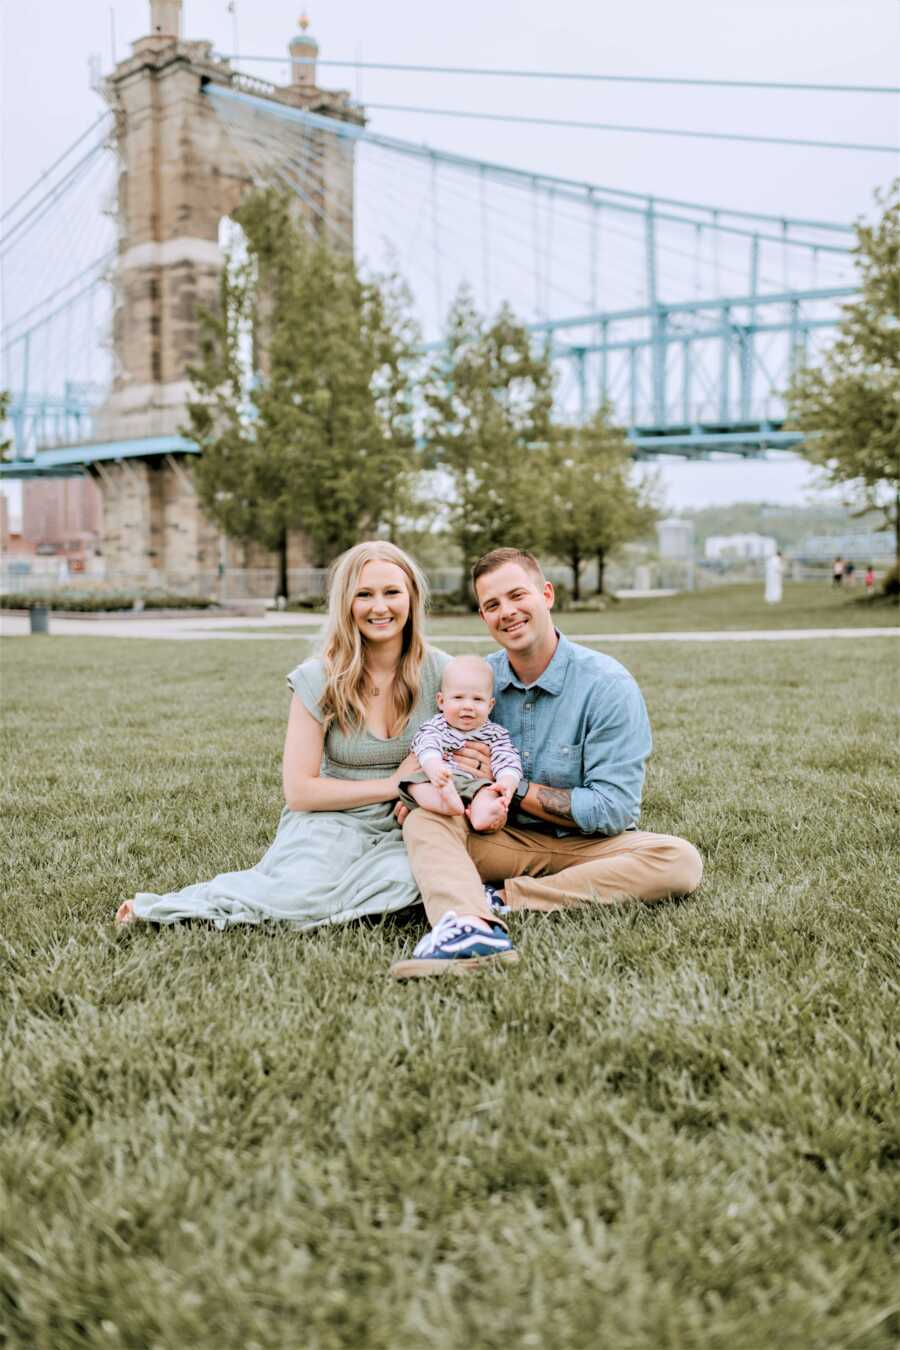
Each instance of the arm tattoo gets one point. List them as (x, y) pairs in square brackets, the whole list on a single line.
[(556, 801)]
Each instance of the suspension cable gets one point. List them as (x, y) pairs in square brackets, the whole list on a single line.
[(619, 126), (55, 165), (576, 75)]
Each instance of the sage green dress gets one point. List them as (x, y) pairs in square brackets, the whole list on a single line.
[(323, 866)]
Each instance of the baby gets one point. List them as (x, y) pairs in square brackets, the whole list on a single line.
[(465, 701)]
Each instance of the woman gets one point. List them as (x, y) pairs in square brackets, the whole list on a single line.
[(338, 853)]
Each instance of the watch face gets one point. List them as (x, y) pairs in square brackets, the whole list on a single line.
[(523, 787)]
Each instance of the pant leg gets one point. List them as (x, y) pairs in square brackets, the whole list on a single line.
[(543, 872), (438, 851)]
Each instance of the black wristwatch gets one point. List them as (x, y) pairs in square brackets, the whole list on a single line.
[(521, 789)]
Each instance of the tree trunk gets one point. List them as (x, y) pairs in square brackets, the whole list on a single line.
[(601, 567), (466, 592), (282, 587), (575, 564)]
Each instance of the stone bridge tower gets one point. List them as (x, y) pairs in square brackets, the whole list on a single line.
[(180, 174)]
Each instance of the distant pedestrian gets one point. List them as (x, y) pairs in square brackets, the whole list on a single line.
[(849, 569), (774, 574), (837, 571), (870, 579)]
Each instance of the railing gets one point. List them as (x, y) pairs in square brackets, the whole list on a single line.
[(255, 587)]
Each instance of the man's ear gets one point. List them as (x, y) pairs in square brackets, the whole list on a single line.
[(549, 594)]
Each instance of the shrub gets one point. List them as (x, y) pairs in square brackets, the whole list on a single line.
[(563, 595), (890, 584), (88, 602), (313, 602)]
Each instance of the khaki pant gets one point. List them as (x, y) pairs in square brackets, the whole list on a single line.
[(539, 871)]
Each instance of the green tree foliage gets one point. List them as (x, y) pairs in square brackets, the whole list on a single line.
[(849, 406), (304, 402), (488, 401), (592, 502), (5, 442)]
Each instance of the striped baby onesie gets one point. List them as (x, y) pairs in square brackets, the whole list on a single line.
[(436, 736)]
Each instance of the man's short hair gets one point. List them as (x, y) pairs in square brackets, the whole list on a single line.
[(499, 557)]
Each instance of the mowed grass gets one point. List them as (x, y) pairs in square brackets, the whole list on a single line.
[(720, 608), (736, 606), (667, 1127)]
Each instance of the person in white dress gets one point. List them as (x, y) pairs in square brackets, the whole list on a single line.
[(774, 574)]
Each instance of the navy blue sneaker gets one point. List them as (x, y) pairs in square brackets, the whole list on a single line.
[(492, 896), (453, 947)]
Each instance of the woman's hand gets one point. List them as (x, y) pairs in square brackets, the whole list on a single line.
[(474, 757)]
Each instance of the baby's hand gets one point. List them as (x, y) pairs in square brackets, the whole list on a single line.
[(441, 774)]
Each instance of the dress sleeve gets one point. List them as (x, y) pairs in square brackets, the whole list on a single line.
[(439, 660), (308, 683)]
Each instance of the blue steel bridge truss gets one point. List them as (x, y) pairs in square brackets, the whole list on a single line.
[(686, 319)]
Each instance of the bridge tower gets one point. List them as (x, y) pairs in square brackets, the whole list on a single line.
[(180, 173)]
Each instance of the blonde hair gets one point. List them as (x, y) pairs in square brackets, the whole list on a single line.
[(343, 646)]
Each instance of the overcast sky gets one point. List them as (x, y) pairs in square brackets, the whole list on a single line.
[(46, 100)]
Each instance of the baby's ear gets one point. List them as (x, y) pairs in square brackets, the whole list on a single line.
[(440, 699)]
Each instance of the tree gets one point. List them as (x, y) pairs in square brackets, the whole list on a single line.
[(849, 406), (488, 400), (5, 442), (593, 504), (304, 407)]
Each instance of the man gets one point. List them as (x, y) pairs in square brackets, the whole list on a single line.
[(579, 722)]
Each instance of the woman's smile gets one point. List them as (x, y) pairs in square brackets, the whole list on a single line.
[(381, 604)]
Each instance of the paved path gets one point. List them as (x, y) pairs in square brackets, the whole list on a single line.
[(193, 628), (198, 629), (736, 635)]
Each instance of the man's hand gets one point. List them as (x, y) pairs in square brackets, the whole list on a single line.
[(474, 757), (401, 811)]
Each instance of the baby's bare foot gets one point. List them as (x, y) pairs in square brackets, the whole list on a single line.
[(125, 913), (487, 812), (452, 800)]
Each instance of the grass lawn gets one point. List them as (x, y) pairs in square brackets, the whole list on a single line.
[(739, 606), (668, 1128)]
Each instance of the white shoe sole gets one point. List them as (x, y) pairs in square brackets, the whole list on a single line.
[(412, 969)]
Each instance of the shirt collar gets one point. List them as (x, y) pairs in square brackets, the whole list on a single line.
[(551, 680)]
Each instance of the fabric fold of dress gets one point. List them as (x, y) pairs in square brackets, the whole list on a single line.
[(322, 866)]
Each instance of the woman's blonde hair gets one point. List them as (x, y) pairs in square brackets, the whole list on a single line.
[(343, 646)]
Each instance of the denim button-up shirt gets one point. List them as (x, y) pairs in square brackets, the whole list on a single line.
[(581, 725)]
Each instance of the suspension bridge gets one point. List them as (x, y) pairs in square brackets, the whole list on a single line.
[(686, 318)]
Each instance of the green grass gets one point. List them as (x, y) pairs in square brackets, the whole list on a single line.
[(725, 608), (668, 1128)]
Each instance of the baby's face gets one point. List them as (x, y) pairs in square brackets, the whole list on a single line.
[(466, 701)]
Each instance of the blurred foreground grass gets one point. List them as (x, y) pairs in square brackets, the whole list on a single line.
[(674, 1126)]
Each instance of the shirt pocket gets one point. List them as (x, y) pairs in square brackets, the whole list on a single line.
[(563, 764)]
